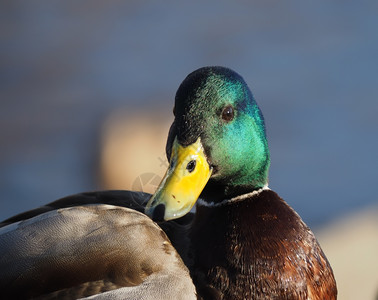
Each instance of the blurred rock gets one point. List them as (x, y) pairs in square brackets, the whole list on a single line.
[(133, 150), (351, 245)]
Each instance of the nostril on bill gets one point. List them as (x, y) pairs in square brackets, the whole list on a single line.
[(191, 166)]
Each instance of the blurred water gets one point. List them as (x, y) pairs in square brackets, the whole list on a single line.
[(311, 65)]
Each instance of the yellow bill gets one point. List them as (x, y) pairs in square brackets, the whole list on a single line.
[(182, 184)]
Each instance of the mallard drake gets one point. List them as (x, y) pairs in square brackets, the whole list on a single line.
[(243, 242)]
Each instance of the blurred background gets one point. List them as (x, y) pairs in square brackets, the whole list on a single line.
[(87, 89)]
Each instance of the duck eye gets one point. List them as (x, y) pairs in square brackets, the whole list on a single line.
[(228, 113), (191, 166)]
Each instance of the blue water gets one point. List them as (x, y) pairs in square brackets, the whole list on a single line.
[(312, 66)]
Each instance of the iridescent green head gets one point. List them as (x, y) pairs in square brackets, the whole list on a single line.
[(215, 104), (215, 109)]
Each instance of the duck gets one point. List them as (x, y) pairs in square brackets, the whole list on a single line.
[(242, 242)]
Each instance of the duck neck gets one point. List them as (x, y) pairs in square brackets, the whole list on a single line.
[(218, 192), (222, 224), (220, 241), (230, 239)]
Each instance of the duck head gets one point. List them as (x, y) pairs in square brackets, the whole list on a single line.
[(216, 146)]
